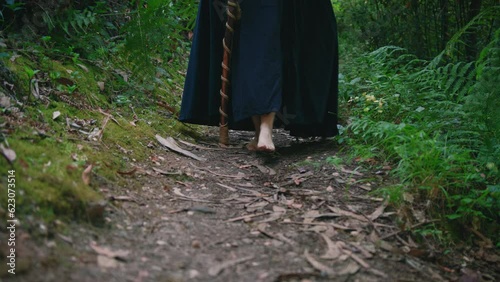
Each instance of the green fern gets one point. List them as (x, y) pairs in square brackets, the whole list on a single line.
[(457, 79), (483, 105), (157, 35)]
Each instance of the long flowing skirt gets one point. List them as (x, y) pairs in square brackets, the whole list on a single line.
[(285, 60)]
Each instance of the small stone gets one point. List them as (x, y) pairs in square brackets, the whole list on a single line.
[(4, 102), (51, 244), (193, 273), (196, 244)]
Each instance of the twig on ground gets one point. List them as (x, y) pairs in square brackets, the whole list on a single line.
[(318, 265), (239, 176), (341, 227), (216, 269), (411, 228), (278, 236), (123, 199), (194, 209), (247, 216), (160, 171), (234, 189)]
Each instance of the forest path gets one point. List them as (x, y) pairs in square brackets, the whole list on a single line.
[(296, 215)]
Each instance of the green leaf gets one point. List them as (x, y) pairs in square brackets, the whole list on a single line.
[(453, 216)]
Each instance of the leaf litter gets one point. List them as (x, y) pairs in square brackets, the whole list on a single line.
[(257, 215)]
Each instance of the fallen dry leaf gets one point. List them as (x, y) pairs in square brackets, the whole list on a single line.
[(350, 269), (101, 85), (86, 175), (56, 114), (5, 102), (195, 146), (491, 258), (367, 250), (265, 169), (107, 252), (333, 251), (8, 153), (379, 211), (177, 191), (352, 172), (408, 197), (171, 144), (106, 262), (160, 171), (35, 91), (247, 217), (354, 256), (278, 212), (469, 275), (216, 269), (385, 245), (65, 238), (347, 213), (278, 236), (318, 265), (14, 57), (365, 187), (83, 67), (309, 216), (227, 187), (256, 206)]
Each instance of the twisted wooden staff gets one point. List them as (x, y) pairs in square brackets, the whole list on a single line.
[(233, 15)]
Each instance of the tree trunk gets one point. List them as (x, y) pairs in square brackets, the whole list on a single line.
[(444, 23), (471, 50), (418, 38)]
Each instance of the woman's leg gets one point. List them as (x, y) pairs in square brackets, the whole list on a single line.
[(252, 146), (257, 70)]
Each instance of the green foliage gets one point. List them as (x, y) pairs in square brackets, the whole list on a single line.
[(334, 161), (483, 106), (424, 27), (437, 120), (81, 55), (157, 36)]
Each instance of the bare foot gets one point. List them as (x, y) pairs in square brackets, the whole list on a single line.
[(263, 140), (252, 146), (265, 143)]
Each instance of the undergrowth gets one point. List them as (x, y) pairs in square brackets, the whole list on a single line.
[(438, 122), (84, 60)]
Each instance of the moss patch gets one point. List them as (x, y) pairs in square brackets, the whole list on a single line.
[(52, 155)]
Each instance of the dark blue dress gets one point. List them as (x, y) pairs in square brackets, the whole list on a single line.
[(257, 61), (285, 60)]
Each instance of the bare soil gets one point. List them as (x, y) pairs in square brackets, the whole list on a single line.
[(243, 216)]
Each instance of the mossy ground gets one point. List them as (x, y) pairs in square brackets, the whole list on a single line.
[(51, 156)]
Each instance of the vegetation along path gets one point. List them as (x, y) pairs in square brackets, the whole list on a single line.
[(212, 214), (99, 181)]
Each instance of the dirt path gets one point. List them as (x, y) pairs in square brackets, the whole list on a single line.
[(239, 216)]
